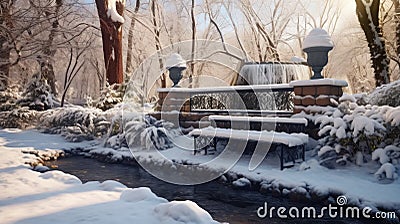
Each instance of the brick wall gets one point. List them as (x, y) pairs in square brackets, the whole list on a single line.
[(316, 95)]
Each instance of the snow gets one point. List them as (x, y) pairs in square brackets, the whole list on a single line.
[(324, 150), (112, 11), (226, 88), (347, 97), (388, 170), (341, 133), (140, 194), (386, 94), (382, 153), (183, 212), (41, 168), (359, 158), (175, 60), (28, 196), (365, 125), (244, 111), (319, 82), (325, 130), (258, 119), (265, 136), (355, 183), (317, 38), (242, 182), (393, 116), (297, 59)]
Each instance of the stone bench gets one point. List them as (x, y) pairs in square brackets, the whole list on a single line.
[(278, 124), (291, 146)]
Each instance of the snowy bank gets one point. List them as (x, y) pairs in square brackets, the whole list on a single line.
[(56, 197), (358, 184)]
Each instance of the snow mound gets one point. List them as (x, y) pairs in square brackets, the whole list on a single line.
[(317, 38), (388, 170), (183, 211), (324, 150), (41, 168), (112, 185), (310, 164), (139, 194), (242, 182), (299, 190), (61, 176), (383, 153), (175, 60), (347, 97)]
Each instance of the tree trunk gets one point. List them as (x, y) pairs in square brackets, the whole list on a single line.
[(111, 33), (128, 68), (192, 64), (5, 50), (45, 60), (158, 42), (368, 16), (47, 70), (397, 22)]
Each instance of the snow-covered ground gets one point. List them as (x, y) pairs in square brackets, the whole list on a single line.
[(55, 197)]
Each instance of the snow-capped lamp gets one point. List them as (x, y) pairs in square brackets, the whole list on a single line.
[(317, 45), (175, 65)]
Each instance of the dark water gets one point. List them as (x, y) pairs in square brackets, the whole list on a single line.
[(224, 203)]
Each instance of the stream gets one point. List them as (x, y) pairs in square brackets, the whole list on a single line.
[(224, 203)]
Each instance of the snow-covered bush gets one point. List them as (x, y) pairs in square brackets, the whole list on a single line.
[(110, 96), (18, 118), (8, 98), (388, 171), (152, 133), (148, 132), (387, 154), (386, 95), (37, 95), (75, 123), (350, 132)]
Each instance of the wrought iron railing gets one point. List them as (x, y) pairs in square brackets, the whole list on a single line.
[(277, 97)]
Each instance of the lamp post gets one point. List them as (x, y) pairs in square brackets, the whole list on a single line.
[(175, 65), (317, 45)]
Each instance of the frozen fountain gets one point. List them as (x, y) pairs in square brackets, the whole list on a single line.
[(272, 73)]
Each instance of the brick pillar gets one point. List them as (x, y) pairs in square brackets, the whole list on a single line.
[(173, 100), (318, 92)]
